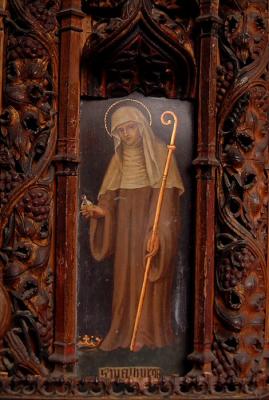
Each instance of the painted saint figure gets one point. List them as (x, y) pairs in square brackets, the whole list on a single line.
[(121, 224)]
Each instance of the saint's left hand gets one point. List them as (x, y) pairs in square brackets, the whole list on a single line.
[(153, 246)]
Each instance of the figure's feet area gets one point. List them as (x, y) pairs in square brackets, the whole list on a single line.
[(137, 346)]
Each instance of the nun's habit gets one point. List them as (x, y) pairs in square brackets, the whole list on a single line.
[(129, 195)]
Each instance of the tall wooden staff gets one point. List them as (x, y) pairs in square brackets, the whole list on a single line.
[(171, 148)]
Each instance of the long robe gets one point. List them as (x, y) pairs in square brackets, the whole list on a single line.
[(124, 232)]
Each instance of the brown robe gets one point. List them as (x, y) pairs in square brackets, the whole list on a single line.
[(124, 232)]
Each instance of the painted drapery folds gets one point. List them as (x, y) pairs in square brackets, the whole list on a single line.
[(128, 198), (212, 52)]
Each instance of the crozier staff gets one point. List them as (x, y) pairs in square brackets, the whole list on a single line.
[(121, 225)]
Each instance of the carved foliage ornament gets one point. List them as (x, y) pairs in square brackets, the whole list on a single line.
[(242, 195), (124, 39), (145, 46), (27, 138), (245, 32), (243, 40)]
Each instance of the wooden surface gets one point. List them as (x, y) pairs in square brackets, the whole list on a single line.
[(214, 54)]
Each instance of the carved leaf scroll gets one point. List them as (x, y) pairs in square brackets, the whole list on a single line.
[(27, 140), (147, 46), (242, 195)]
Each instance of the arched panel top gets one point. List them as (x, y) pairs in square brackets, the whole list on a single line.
[(146, 47)]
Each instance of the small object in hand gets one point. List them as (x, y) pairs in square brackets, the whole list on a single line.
[(85, 201), (86, 207)]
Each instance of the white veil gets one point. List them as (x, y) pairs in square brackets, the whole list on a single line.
[(155, 152)]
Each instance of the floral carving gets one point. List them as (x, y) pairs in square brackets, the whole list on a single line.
[(43, 11), (148, 46), (245, 30), (27, 120), (243, 41), (88, 5), (25, 256), (27, 138), (225, 78), (242, 239)]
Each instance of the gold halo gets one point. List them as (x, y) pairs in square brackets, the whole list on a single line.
[(121, 101)]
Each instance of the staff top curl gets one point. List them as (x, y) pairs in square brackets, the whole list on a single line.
[(166, 120)]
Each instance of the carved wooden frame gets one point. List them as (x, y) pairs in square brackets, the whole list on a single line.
[(46, 65)]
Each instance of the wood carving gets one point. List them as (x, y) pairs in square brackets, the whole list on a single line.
[(149, 46), (121, 54), (242, 228), (27, 141)]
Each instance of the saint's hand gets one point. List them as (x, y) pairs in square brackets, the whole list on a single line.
[(89, 210), (153, 246)]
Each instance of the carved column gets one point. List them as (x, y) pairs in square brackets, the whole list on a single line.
[(206, 164), (67, 183)]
